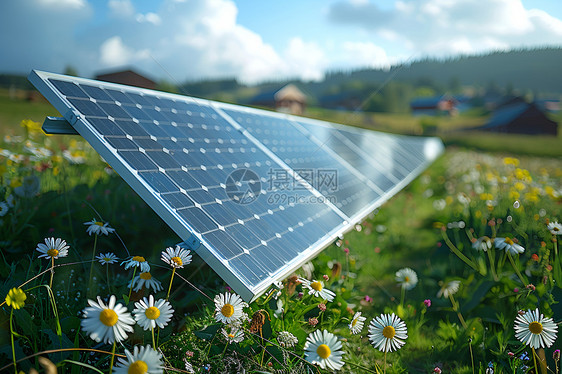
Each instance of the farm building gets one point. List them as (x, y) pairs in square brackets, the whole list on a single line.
[(288, 99), (433, 106), (520, 118), (128, 77)]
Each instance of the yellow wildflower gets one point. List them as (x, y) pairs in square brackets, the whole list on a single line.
[(16, 298)]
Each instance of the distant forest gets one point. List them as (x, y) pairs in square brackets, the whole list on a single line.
[(534, 72)]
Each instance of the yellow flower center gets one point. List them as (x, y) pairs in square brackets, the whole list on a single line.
[(108, 317), (152, 312), (231, 335), (508, 241), (138, 367), (535, 327), (145, 276), (53, 252), (388, 332), (354, 322), (555, 228), (177, 261), (406, 279), (323, 351), (316, 285), (227, 310), (139, 259), (98, 223)]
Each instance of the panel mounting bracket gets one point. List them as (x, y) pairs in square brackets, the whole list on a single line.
[(191, 243), (58, 126)]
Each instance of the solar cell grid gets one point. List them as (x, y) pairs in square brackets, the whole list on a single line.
[(252, 187), (313, 162)]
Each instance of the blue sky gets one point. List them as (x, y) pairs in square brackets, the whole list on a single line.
[(256, 40)]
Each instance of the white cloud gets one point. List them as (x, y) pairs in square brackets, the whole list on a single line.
[(73, 4), (444, 27), (113, 52), (365, 54), (121, 8), (149, 17), (305, 60)]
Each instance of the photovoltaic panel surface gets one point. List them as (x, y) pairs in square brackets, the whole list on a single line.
[(317, 164), (261, 192)]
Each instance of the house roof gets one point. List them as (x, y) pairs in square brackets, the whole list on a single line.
[(429, 102), (290, 92), (507, 114), (127, 76)]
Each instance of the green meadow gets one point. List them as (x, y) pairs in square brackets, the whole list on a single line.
[(478, 229)]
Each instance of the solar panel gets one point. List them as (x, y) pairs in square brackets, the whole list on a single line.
[(255, 193)]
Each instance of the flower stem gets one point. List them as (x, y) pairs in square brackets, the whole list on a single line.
[(92, 265), (107, 278), (153, 341), (492, 265), (112, 357), (171, 280), (402, 296), (459, 254), (131, 288), (12, 339), (516, 269), (384, 370), (535, 360), (456, 309), (52, 272), (363, 367)]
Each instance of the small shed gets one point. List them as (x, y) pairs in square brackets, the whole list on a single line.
[(288, 99), (128, 77), (521, 118), (432, 106)]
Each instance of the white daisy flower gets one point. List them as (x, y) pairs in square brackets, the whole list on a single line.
[(235, 335), (534, 330), (137, 261), (286, 339), (98, 228), (145, 279), (388, 333), (107, 258), (509, 246), (142, 360), (407, 278), (482, 244), (449, 288), (53, 248), (176, 257), (108, 323), (150, 314), (316, 288), (357, 323), (4, 209), (555, 228), (228, 307), (324, 348)]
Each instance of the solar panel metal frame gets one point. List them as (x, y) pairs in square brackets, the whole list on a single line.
[(186, 232)]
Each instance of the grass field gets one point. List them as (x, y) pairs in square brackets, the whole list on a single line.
[(493, 195)]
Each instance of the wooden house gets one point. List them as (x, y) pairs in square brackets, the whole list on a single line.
[(520, 118)]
